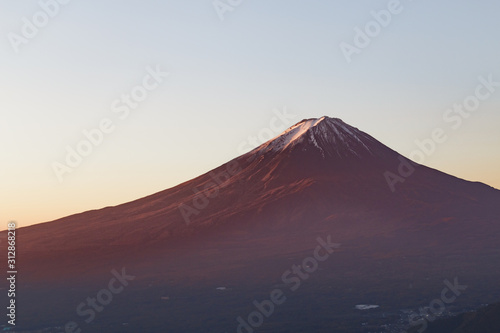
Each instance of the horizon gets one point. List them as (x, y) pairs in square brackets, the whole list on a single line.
[(170, 91)]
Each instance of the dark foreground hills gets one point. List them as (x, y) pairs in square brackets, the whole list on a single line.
[(484, 320), (322, 229)]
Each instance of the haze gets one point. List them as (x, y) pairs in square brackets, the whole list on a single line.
[(227, 81)]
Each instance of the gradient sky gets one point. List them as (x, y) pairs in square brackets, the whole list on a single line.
[(226, 78)]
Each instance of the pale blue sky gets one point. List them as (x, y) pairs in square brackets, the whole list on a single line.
[(226, 77)]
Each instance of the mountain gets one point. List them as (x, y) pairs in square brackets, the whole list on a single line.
[(403, 229)]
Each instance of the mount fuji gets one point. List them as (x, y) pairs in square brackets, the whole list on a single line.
[(216, 242)]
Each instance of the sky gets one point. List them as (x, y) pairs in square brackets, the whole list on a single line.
[(168, 90)]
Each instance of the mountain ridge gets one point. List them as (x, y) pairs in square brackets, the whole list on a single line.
[(273, 172)]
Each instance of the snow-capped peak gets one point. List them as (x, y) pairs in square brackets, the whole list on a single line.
[(294, 133), (330, 136)]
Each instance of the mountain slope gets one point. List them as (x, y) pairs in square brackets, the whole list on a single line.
[(318, 170)]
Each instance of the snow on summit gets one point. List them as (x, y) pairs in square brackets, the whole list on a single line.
[(294, 133), (330, 136)]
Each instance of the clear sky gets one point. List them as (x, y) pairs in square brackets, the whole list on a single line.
[(63, 73)]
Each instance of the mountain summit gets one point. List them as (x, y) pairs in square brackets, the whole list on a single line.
[(330, 136), (320, 147)]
